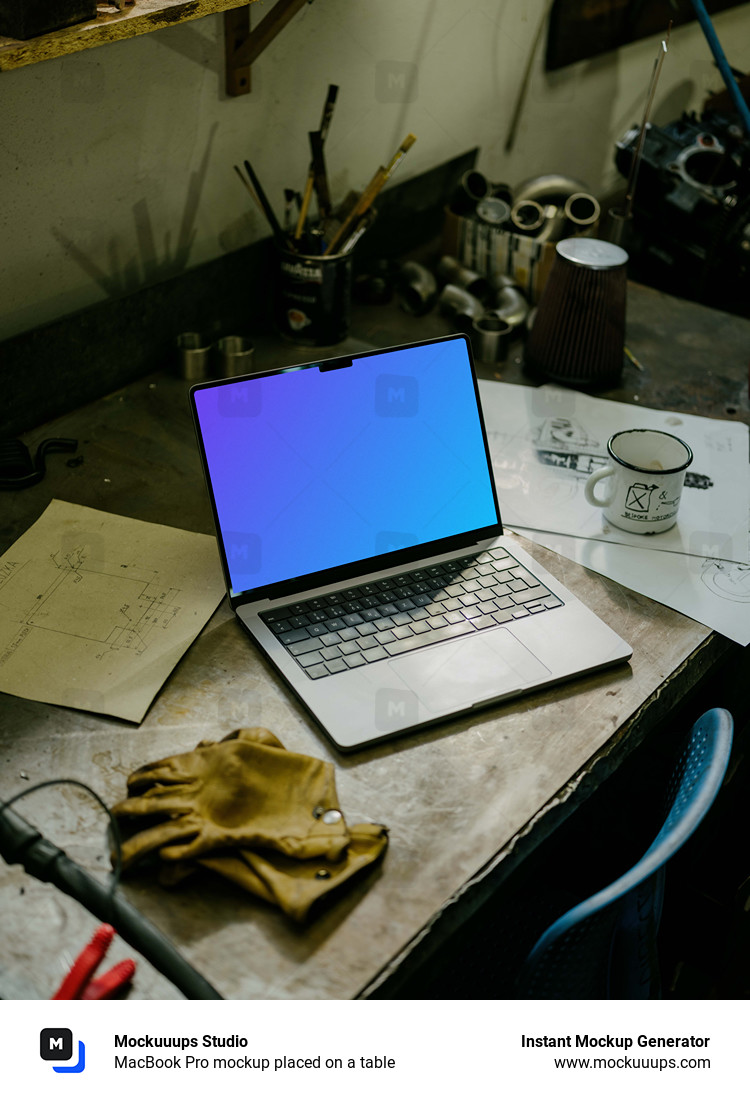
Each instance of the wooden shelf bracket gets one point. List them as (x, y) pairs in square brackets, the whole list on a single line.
[(243, 46)]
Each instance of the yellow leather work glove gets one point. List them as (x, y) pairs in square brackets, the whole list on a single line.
[(245, 791), (294, 885)]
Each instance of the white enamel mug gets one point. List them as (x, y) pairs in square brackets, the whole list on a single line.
[(646, 472)]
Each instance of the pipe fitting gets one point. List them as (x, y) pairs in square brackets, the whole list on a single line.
[(527, 215), (451, 270), (490, 337)]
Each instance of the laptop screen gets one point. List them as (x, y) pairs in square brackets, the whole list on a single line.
[(315, 467)]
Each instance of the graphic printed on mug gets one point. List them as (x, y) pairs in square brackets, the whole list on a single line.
[(645, 474)]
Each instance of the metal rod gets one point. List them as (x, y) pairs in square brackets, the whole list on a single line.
[(636, 161)]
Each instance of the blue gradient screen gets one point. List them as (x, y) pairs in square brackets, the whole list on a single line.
[(314, 469)]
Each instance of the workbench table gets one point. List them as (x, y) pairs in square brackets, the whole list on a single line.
[(464, 801)]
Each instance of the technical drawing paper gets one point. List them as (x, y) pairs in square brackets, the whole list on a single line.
[(96, 609), (546, 441), (714, 592)]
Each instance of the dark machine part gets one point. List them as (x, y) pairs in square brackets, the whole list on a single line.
[(21, 843), (417, 288), (472, 188), (690, 231), (17, 468)]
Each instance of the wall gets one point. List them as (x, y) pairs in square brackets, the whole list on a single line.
[(116, 163)]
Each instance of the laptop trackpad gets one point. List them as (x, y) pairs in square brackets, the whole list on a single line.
[(467, 670)]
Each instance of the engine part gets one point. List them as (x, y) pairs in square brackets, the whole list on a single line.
[(689, 233), (579, 330)]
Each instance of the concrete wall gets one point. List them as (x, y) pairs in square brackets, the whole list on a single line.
[(116, 163)]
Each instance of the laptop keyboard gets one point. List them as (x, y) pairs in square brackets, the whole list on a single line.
[(371, 622)]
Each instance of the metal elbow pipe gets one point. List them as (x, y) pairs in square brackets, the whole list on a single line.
[(459, 305), (511, 306), (549, 189)]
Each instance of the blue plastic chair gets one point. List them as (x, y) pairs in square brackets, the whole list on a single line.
[(605, 947)]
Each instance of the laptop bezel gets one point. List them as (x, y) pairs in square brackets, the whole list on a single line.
[(364, 566)]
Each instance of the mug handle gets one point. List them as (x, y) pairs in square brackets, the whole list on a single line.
[(591, 497)]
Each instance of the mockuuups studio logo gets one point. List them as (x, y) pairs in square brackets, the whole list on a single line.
[(243, 550), (395, 709), (396, 395), (396, 81), (239, 400), (56, 1045)]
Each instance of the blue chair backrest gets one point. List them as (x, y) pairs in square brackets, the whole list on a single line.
[(605, 947)]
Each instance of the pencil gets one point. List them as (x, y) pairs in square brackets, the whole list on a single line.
[(633, 359)]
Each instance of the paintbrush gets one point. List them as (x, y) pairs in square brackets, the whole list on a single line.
[(265, 204), (363, 224), (327, 115), (289, 194), (320, 178), (371, 192), (325, 122), (252, 194), (307, 195), (336, 220)]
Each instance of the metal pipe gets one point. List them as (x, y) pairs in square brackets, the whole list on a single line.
[(511, 306), (451, 270), (417, 288), (550, 188), (582, 209), (472, 188), (491, 337), (456, 303), (527, 215), (493, 211)]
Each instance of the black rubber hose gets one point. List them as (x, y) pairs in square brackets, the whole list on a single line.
[(21, 843)]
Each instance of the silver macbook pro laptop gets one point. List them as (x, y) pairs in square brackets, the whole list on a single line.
[(362, 545)]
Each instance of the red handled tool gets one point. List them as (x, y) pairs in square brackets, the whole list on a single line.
[(80, 983)]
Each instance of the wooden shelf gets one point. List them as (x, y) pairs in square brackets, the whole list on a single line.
[(141, 18)]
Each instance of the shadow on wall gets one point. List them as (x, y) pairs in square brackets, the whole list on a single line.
[(148, 267)]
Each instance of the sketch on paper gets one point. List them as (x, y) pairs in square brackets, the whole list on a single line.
[(564, 443), (728, 579), (97, 609), (545, 442), (88, 600)]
